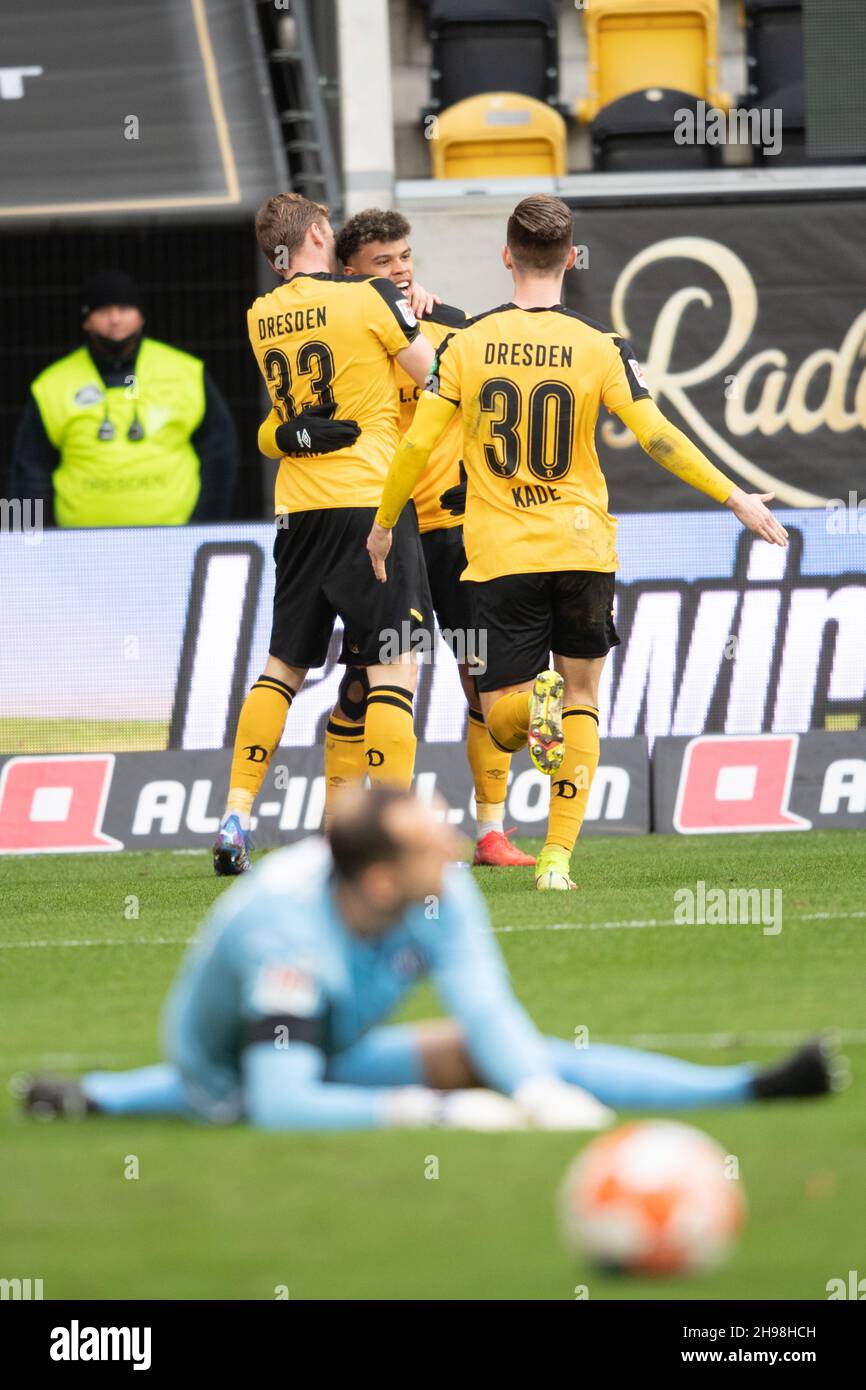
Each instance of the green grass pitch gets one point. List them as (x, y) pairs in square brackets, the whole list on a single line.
[(236, 1214)]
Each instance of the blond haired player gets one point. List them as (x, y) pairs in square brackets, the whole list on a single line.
[(531, 377), (321, 338)]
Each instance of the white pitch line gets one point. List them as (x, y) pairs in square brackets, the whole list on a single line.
[(637, 922), (670, 922), (587, 926), (747, 1038), (74, 1060), (118, 941)]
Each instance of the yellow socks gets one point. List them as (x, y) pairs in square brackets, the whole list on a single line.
[(260, 728), (344, 760), (569, 787), (508, 721), (489, 773), (389, 736)]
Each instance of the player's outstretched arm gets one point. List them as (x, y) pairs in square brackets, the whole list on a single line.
[(432, 415), (507, 1050), (311, 431), (284, 1089), (676, 452)]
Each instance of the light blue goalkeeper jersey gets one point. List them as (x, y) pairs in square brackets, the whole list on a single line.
[(277, 986)]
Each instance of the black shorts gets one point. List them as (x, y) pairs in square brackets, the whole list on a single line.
[(525, 617), (445, 561), (324, 571)]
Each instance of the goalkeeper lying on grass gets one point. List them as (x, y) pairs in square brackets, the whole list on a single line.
[(277, 1016)]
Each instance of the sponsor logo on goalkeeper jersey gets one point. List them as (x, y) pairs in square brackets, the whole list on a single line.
[(286, 989)]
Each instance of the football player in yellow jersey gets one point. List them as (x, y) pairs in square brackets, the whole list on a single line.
[(328, 341), (530, 377), (375, 242)]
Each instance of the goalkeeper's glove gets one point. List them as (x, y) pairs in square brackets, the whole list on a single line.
[(313, 431), (549, 1103), (453, 500), (419, 1107)]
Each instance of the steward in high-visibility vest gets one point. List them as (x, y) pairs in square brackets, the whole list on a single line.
[(126, 430)]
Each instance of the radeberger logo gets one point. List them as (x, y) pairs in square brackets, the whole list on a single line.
[(779, 401)]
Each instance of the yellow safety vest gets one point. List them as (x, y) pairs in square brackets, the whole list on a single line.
[(153, 481)]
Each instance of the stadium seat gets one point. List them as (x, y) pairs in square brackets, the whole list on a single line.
[(639, 44), (498, 135), (493, 45), (774, 46), (636, 134)]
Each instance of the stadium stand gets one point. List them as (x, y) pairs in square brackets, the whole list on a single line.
[(304, 94), (164, 189)]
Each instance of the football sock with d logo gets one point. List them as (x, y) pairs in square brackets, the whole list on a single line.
[(260, 728), (569, 786), (389, 736)]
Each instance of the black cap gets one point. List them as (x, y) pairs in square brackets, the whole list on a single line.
[(110, 287)]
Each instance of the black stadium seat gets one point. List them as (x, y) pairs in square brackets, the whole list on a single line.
[(774, 46), (635, 134), (493, 46)]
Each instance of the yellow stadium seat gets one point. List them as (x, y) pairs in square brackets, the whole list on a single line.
[(498, 135), (636, 44)]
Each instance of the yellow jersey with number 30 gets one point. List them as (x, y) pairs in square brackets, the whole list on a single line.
[(323, 339), (530, 383)]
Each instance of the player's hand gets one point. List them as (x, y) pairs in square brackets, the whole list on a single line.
[(314, 431), (482, 1110), (420, 300), (749, 509), (419, 1107), (412, 1107), (378, 547), (549, 1103), (453, 499)]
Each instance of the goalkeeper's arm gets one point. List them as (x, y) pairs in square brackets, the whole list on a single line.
[(675, 452), (285, 1089)]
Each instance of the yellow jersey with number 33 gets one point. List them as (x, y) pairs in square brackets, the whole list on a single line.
[(323, 339), (530, 383)]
